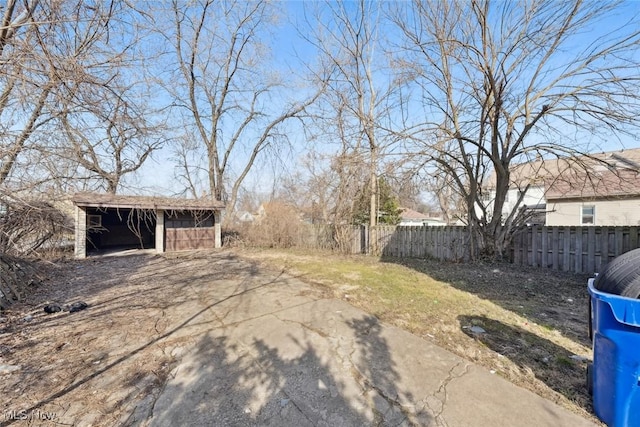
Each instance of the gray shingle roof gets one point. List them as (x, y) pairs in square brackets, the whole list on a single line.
[(98, 200)]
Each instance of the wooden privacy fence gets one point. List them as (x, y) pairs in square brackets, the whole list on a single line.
[(574, 249), (444, 243)]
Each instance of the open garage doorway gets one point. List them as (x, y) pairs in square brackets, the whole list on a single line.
[(115, 229)]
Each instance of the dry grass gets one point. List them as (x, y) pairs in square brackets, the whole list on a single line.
[(535, 320)]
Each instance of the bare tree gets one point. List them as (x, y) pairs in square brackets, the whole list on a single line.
[(66, 77), (230, 101), (313, 189), (26, 79), (13, 18), (347, 41), (504, 82), (59, 66), (343, 172), (189, 168), (109, 138)]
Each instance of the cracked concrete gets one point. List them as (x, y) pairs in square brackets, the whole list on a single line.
[(271, 350)]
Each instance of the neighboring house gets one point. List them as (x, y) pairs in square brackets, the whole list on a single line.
[(108, 221), (606, 196), (409, 217), (244, 216), (602, 189), (527, 181)]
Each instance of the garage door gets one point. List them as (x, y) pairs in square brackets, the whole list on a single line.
[(182, 239)]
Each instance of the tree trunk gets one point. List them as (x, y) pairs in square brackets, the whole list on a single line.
[(373, 206)]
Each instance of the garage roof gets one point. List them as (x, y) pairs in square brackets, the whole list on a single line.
[(97, 200)]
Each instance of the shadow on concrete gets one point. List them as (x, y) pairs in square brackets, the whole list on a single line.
[(549, 362), (227, 383), (378, 371)]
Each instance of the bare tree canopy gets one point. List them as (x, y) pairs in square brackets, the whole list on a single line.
[(463, 90), (230, 97), (73, 110), (70, 72), (347, 43), (504, 82), (108, 137)]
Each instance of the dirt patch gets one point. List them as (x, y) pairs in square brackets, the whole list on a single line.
[(97, 366)]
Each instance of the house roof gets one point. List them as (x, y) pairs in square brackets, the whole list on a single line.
[(275, 207), (597, 184), (410, 214), (97, 200), (608, 174)]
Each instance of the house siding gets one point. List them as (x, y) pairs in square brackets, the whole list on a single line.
[(607, 212), (534, 196)]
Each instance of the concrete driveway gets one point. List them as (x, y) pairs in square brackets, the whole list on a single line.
[(269, 349)]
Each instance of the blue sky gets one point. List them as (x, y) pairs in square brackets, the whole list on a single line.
[(291, 54)]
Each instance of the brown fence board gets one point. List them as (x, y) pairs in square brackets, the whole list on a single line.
[(578, 250), (566, 248), (619, 240), (584, 249)]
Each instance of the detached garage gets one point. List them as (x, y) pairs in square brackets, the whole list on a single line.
[(114, 222)]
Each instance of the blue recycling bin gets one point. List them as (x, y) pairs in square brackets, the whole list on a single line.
[(615, 328)]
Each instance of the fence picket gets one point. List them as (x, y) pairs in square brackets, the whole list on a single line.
[(576, 249), (566, 248)]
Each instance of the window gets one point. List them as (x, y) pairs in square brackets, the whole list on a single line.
[(94, 221), (189, 219), (588, 215)]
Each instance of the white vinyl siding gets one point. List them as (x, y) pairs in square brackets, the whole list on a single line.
[(606, 212), (533, 197)]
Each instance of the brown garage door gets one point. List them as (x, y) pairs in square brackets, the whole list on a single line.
[(181, 239)]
